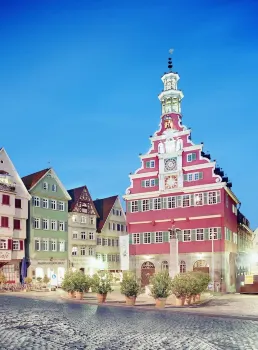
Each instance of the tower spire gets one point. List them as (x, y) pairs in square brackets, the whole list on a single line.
[(170, 64)]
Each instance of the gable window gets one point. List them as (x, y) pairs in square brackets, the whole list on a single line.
[(16, 224), (90, 251), (147, 237), (193, 176), (83, 251), (92, 221), (45, 224), (159, 237), (36, 201), (171, 202), (54, 188), (45, 186), (191, 157), (6, 199), (117, 212), (18, 203), (4, 221), (74, 218), (91, 235), (53, 225), (45, 203), (145, 204), (134, 206), (74, 251), (186, 200), (61, 206), (53, 204), (3, 243), (150, 164), (83, 220), (83, 235), (53, 245), (37, 223), (200, 234), (157, 203), (37, 244), (61, 226), (187, 235)]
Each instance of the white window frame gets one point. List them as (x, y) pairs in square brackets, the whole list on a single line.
[(45, 186), (3, 244), (74, 218), (213, 231), (45, 224), (36, 202), (198, 199), (171, 202), (83, 251), (145, 205), (45, 245), (75, 235), (136, 238), (83, 220), (37, 223), (186, 200), (134, 206), (45, 203), (16, 244), (74, 251), (200, 233), (159, 237), (37, 242), (53, 225), (54, 188), (61, 205), (152, 164), (91, 235), (83, 235), (53, 245), (90, 251), (147, 237), (212, 197), (92, 220), (53, 204), (187, 235), (61, 226), (157, 203), (61, 246)]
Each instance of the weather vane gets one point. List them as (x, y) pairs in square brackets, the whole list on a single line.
[(170, 64)]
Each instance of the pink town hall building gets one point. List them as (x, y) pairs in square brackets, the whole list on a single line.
[(180, 209)]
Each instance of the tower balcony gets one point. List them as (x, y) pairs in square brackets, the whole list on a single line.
[(6, 182)]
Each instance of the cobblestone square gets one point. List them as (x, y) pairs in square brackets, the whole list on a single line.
[(34, 323)]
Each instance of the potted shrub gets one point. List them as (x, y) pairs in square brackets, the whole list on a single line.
[(27, 282), (179, 288), (80, 283), (192, 286), (68, 284), (160, 287), (130, 288), (202, 280), (88, 282), (2, 278), (102, 284)]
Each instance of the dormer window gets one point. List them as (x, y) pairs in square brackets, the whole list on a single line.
[(150, 164), (191, 157)]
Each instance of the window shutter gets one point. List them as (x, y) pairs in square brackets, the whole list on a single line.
[(180, 236), (35, 244), (185, 177), (219, 232), (41, 202), (192, 199), (206, 234), (151, 203), (193, 235), (130, 238), (164, 203), (201, 175), (153, 237), (128, 208), (147, 164), (205, 197), (33, 222), (58, 246), (178, 201), (10, 244), (66, 226), (139, 205), (156, 182), (65, 246), (32, 200), (141, 238), (143, 183), (165, 237), (41, 245), (193, 156), (21, 244), (218, 197)]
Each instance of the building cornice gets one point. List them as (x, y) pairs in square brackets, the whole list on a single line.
[(177, 133), (176, 219), (199, 166), (138, 176), (192, 189), (185, 149)]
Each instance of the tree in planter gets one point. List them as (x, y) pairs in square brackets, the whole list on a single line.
[(68, 283), (102, 284), (179, 287), (202, 281), (2, 278), (81, 283), (130, 288), (161, 285)]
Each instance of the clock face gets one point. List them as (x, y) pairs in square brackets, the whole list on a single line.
[(170, 182), (170, 164)]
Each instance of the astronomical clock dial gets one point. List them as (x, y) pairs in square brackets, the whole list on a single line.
[(170, 164), (171, 182)]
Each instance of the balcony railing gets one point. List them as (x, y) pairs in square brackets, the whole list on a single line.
[(7, 187), (6, 182)]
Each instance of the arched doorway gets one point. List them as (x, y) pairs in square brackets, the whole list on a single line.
[(147, 270), (201, 265)]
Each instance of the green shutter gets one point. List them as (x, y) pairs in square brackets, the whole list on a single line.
[(218, 197), (130, 238), (153, 237), (151, 203), (156, 182), (128, 207), (180, 236), (165, 236), (201, 175), (147, 164), (206, 234), (164, 203), (193, 156), (143, 183), (219, 233), (193, 235), (139, 205), (185, 177), (178, 201), (205, 198), (141, 238), (192, 200)]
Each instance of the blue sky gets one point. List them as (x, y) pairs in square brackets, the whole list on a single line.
[(79, 82)]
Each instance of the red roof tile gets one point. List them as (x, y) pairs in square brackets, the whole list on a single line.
[(30, 180), (104, 207)]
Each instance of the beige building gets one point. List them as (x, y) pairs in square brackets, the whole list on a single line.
[(14, 199), (111, 224), (82, 219)]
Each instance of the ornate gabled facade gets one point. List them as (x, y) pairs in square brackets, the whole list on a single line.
[(47, 229), (181, 212), (82, 219), (14, 199), (111, 224)]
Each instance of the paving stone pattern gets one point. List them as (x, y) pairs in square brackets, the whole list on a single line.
[(38, 324)]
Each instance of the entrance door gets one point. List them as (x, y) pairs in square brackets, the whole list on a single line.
[(147, 270)]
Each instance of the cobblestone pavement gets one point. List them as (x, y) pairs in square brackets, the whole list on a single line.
[(34, 323)]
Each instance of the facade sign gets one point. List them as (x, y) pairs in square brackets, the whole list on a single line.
[(124, 252), (49, 262), (249, 279), (5, 255)]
